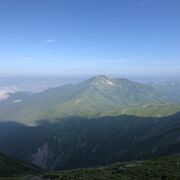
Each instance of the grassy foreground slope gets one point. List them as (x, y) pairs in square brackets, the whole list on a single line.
[(12, 167), (149, 110), (160, 168)]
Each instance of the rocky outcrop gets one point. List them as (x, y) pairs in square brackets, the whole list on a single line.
[(40, 158)]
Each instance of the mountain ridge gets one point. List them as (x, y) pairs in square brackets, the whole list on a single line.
[(94, 95)]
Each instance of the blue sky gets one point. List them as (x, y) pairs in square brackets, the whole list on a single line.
[(78, 37)]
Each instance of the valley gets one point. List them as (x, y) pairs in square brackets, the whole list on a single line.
[(90, 124), (78, 142)]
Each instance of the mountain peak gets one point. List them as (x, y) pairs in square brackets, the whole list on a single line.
[(102, 79)]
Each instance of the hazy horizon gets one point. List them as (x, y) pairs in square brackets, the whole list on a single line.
[(41, 83)]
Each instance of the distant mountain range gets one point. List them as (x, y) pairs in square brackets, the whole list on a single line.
[(169, 89), (89, 98)]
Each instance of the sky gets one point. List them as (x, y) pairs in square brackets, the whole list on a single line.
[(80, 37)]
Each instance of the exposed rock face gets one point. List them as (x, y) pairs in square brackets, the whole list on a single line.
[(40, 158)]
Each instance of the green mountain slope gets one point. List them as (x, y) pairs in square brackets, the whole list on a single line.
[(98, 94), (147, 110), (13, 167), (156, 169), (81, 142), (169, 89)]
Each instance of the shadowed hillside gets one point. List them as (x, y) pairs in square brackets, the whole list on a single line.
[(12, 167), (80, 142)]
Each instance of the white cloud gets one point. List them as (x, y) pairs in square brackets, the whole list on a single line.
[(49, 41), (5, 92), (27, 58)]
